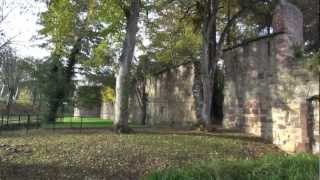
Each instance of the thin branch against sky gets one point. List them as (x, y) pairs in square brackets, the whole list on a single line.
[(22, 22)]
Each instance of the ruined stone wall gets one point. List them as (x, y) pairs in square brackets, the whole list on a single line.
[(315, 121), (86, 111), (249, 71), (170, 98), (107, 110), (313, 124), (135, 114), (135, 111), (267, 87), (264, 98)]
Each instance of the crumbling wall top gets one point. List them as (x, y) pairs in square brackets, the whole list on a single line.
[(288, 18)]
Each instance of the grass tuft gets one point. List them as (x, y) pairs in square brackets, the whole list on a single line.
[(270, 167)]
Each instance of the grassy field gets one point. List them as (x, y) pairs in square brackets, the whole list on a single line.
[(271, 167), (63, 123), (78, 122), (101, 154), (83, 122)]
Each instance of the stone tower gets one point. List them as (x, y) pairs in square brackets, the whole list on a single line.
[(293, 83)]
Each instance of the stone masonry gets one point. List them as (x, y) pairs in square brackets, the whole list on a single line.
[(171, 101), (267, 91)]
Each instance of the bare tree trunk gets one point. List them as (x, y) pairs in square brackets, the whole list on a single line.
[(211, 54), (144, 100), (16, 95), (208, 62), (123, 78), (34, 97), (10, 100), (2, 90)]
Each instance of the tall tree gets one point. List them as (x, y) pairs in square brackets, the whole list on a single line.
[(214, 25), (212, 52), (77, 31), (131, 10), (13, 74)]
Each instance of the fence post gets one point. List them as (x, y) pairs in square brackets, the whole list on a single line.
[(81, 124), (71, 122), (19, 121)]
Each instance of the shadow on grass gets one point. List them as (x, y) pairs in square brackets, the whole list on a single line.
[(227, 134), (54, 172), (89, 128)]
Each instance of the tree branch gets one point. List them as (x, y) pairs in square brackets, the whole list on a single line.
[(124, 7), (228, 26), (233, 19), (7, 42)]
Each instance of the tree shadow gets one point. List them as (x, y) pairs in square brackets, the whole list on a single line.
[(53, 172), (223, 133), (250, 73)]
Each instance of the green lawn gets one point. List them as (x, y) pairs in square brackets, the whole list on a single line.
[(77, 122), (85, 122), (82, 122), (271, 167), (93, 120), (66, 122), (100, 154)]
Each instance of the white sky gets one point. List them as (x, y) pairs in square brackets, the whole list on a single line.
[(22, 23)]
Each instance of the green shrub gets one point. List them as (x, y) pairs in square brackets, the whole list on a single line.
[(297, 167)]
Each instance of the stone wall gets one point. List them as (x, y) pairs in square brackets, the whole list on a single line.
[(107, 110), (135, 114), (267, 87), (249, 71), (170, 100), (316, 130), (87, 111), (267, 90), (170, 97), (264, 98), (135, 111), (313, 122)]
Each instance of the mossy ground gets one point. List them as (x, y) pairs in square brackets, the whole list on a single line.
[(101, 154)]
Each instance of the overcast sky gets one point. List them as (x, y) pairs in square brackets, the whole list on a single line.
[(22, 23)]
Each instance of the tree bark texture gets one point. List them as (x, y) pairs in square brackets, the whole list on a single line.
[(209, 60), (123, 76)]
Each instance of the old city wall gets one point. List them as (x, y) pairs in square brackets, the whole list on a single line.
[(170, 97), (268, 91), (267, 88)]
